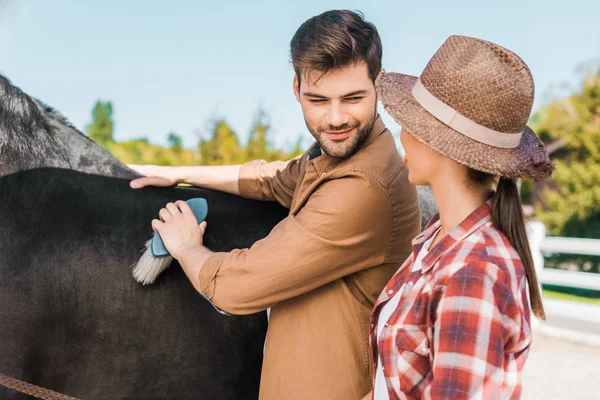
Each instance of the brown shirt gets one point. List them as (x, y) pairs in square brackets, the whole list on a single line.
[(322, 268)]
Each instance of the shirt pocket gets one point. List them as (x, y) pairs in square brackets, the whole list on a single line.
[(412, 358)]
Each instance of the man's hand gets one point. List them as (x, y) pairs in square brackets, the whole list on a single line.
[(183, 238), (154, 175), (179, 229)]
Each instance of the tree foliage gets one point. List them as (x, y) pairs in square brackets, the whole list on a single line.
[(220, 147), (569, 204), (223, 148), (101, 128)]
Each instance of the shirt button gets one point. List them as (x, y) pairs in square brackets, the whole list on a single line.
[(390, 291), (386, 324), (372, 325)]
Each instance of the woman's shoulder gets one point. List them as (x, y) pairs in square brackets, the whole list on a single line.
[(486, 249)]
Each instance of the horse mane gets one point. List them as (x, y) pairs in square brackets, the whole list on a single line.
[(56, 115), (33, 134), (19, 113), (29, 111)]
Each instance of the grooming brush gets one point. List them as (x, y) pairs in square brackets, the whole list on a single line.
[(156, 257)]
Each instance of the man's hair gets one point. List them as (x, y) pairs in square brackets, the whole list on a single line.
[(334, 40)]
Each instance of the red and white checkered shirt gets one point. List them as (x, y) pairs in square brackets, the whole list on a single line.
[(461, 328)]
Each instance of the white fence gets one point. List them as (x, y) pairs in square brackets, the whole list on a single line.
[(566, 319), (573, 279), (542, 245)]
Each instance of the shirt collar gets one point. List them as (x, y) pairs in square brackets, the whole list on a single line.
[(481, 216)]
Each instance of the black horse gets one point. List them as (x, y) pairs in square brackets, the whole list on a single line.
[(72, 318)]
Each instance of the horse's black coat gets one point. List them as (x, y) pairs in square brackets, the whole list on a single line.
[(72, 318)]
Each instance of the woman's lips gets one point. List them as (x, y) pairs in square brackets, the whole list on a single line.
[(335, 135)]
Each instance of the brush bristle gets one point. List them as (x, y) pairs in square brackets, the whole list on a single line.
[(149, 267)]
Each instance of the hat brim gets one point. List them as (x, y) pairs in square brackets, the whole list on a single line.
[(528, 160)]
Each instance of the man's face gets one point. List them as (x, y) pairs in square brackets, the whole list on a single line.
[(339, 108)]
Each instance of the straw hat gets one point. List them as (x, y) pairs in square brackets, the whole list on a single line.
[(471, 103)]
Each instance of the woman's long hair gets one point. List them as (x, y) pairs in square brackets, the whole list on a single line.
[(507, 217)]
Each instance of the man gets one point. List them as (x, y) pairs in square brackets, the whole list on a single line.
[(352, 216)]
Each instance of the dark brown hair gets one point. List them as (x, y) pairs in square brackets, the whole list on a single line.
[(334, 40), (507, 217)]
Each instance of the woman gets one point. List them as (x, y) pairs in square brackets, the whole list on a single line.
[(454, 321)]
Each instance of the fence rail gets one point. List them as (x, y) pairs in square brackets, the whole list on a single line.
[(572, 279), (554, 244), (546, 245), (566, 320)]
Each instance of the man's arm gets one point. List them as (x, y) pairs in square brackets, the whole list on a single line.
[(259, 180), (274, 181), (224, 178), (344, 227)]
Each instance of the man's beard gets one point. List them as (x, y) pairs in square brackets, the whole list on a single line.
[(345, 148)]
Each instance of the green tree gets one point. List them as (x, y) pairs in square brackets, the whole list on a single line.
[(297, 150), (140, 151), (222, 148), (175, 141), (176, 144), (570, 203), (101, 128), (258, 143)]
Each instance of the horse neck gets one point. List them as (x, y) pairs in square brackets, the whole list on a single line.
[(82, 154), (33, 136), (67, 149)]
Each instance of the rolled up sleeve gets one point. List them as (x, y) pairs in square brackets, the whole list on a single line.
[(344, 227), (274, 181)]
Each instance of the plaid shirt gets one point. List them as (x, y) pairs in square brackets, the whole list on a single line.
[(461, 329)]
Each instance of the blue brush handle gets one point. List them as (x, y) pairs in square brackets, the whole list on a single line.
[(200, 209)]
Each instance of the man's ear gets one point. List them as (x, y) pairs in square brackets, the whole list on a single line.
[(296, 88)]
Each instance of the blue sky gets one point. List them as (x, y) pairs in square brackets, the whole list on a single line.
[(173, 66)]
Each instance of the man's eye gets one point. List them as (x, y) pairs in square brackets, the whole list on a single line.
[(317, 101), (354, 99)]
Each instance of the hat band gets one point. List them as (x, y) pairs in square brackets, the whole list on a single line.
[(462, 124)]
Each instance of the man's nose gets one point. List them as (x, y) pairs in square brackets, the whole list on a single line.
[(337, 116)]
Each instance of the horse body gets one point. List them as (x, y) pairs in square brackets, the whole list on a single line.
[(72, 318)]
